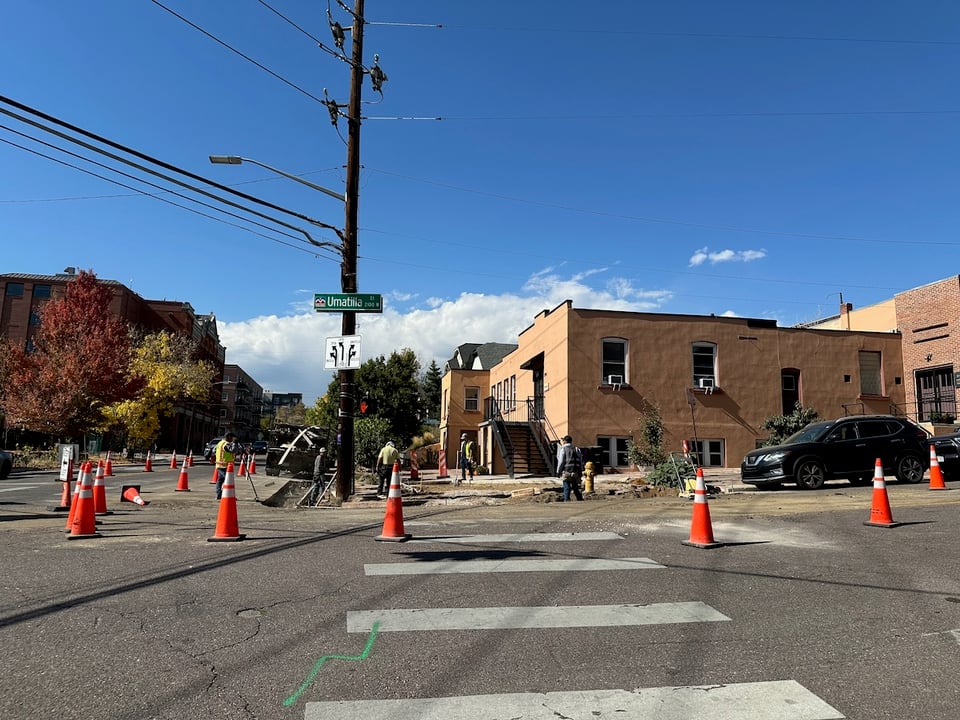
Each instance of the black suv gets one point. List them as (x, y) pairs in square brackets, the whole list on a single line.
[(948, 454), (843, 448)]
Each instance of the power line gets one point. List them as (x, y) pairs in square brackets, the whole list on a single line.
[(234, 50)]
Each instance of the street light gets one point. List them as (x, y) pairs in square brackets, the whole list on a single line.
[(237, 160), (348, 252)]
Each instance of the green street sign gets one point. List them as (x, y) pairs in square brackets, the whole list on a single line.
[(348, 302)]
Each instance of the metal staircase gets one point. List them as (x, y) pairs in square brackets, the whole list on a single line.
[(524, 444)]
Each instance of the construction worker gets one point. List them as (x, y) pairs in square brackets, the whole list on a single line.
[(569, 468), (385, 460), (225, 453), (466, 458)]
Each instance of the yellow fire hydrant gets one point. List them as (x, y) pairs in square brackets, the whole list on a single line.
[(588, 474)]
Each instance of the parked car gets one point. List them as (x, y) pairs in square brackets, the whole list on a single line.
[(210, 448), (259, 446), (947, 448), (6, 464), (843, 448)]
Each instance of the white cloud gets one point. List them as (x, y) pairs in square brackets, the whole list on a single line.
[(704, 255), (285, 354), (729, 313)]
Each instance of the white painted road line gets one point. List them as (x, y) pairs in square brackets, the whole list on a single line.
[(778, 700), (517, 538), (18, 487), (453, 567), (503, 618)]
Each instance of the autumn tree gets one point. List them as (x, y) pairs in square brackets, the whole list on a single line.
[(76, 367), (163, 365), (292, 414)]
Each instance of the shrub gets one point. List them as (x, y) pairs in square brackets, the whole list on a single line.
[(781, 427)]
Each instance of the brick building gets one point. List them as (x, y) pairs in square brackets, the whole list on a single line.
[(241, 404), (23, 295), (928, 319)]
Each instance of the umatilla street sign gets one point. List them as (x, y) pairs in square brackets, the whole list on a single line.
[(349, 302)]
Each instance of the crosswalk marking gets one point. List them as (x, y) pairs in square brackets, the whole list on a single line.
[(517, 538), (779, 700), (501, 618), (452, 567)]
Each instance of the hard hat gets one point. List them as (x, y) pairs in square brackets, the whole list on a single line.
[(390, 443), (463, 437)]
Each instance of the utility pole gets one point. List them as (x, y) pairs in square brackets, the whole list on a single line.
[(348, 269)]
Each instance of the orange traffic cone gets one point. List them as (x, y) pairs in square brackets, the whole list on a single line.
[(880, 515), (76, 494), (183, 482), (228, 529), (173, 460), (65, 496), (84, 521), (393, 520), (131, 493), (190, 459), (148, 467), (936, 475), (108, 467), (252, 470), (701, 531), (213, 480), (243, 466), (100, 492)]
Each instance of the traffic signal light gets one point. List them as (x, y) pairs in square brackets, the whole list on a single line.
[(366, 406)]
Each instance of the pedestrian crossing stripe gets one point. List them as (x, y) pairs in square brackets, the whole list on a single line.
[(452, 567), (780, 699), (506, 618), (517, 538)]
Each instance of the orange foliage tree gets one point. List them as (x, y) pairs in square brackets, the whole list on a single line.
[(77, 366)]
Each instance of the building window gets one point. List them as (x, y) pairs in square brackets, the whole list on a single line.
[(704, 364), (224, 397), (41, 291), (513, 392), (471, 399), (34, 318), (613, 365), (708, 452), (870, 383), (614, 451), (223, 413), (14, 290)]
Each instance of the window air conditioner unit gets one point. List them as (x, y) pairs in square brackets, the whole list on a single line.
[(614, 379), (706, 382)]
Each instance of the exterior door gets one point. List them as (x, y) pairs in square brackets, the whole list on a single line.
[(538, 392), (789, 389), (936, 394)]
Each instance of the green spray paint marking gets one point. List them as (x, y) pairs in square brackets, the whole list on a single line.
[(319, 664)]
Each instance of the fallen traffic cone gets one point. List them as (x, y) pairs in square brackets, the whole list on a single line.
[(701, 531), (880, 515), (100, 492), (84, 520), (936, 475), (131, 493), (228, 529), (173, 460), (183, 482), (190, 459), (108, 467), (393, 520), (148, 467)]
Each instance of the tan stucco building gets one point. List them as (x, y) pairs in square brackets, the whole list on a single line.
[(589, 374)]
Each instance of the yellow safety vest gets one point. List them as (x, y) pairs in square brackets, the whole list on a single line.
[(224, 456)]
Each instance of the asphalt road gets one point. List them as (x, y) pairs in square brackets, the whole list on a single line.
[(153, 621)]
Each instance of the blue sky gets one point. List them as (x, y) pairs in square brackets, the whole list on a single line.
[(747, 158)]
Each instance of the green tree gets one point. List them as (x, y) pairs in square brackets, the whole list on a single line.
[(781, 427), (648, 449), (292, 414), (369, 435), (430, 390), (78, 365), (393, 384), (163, 364)]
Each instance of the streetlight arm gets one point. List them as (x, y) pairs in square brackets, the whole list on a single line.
[(237, 160)]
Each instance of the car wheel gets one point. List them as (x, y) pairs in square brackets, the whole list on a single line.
[(909, 469), (809, 474), (861, 480), (4, 470)]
